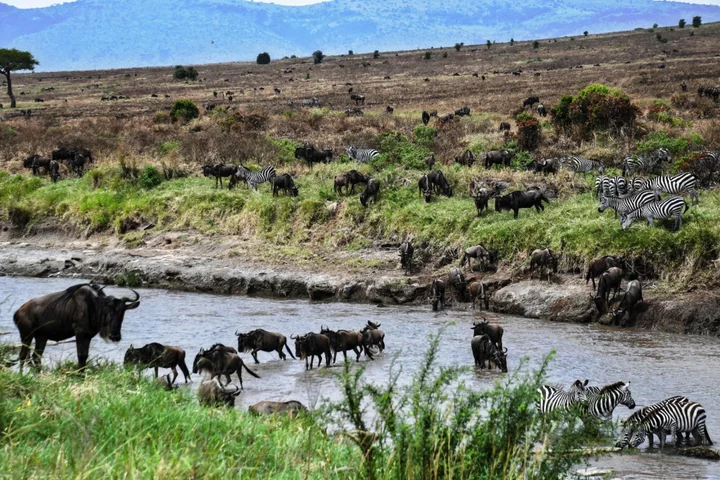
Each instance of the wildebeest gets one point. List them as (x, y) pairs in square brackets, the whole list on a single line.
[(285, 183), (461, 112), (440, 183), (504, 126), (481, 198), (430, 161), (516, 200), (497, 157), (477, 291), (165, 382), (492, 330), (542, 258), (437, 294), (530, 101), (292, 408), (456, 279), (262, 340), (425, 117), (448, 117), (633, 295), (610, 280), (155, 355), (373, 336), (349, 180), (545, 166), (425, 187), (370, 192), (68, 154), (486, 354), (359, 99), (406, 255), (600, 265), (54, 170), (219, 171), (221, 360), (542, 111), (344, 340), (35, 163), (478, 252), (81, 311), (212, 394), (467, 158), (312, 345), (313, 155)]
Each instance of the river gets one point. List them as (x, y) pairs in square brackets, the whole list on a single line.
[(658, 365)]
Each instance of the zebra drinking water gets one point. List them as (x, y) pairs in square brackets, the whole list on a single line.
[(670, 207), (362, 155), (625, 205), (674, 417), (552, 398), (602, 401), (674, 184), (584, 165), (640, 414), (253, 179)]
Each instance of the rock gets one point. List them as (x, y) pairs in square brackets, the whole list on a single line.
[(595, 472), (701, 452), (320, 290), (555, 302)]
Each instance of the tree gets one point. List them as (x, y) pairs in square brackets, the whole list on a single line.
[(458, 46), (681, 23), (697, 21), (376, 54), (655, 25), (263, 58), (12, 60), (185, 73), (585, 33), (318, 56), (536, 44), (489, 44), (428, 55), (185, 110), (350, 52), (512, 41)]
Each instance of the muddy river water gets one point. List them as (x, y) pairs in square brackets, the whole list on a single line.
[(658, 365)]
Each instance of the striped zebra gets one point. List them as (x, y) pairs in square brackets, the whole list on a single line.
[(552, 398), (674, 184), (584, 165), (706, 165), (676, 417), (602, 401), (625, 205), (602, 186), (611, 186), (362, 155), (631, 422), (646, 163), (664, 209), (253, 179)]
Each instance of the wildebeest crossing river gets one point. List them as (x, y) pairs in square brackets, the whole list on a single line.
[(657, 365)]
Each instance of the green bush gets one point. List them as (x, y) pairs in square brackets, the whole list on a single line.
[(656, 140), (184, 110), (150, 177), (458, 46), (263, 58), (395, 148), (318, 56), (185, 73), (166, 147), (427, 55), (424, 136), (536, 44), (697, 22), (681, 23)]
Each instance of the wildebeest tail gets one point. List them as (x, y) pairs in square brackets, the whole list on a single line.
[(250, 371), (289, 351)]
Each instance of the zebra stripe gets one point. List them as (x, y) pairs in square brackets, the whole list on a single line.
[(602, 401), (670, 207), (583, 165), (552, 398), (676, 417), (625, 205), (362, 155), (253, 179), (674, 184)]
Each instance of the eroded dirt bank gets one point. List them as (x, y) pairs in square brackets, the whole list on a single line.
[(232, 266)]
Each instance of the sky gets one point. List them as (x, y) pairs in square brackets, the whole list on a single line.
[(44, 3)]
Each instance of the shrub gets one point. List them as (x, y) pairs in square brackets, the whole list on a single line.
[(445, 55), (528, 132), (397, 149), (489, 44), (263, 58), (428, 55), (681, 23), (376, 54), (185, 73), (350, 52), (458, 46), (656, 140), (696, 22), (512, 41), (585, 33), (424, 136), (150, 177), (166, 147), (318, 56), (655, 25), (536, 44), (185, 110)]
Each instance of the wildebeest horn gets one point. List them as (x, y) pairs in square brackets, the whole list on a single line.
[(505, 351), (131, 347), (101, 288), (236, 333), (293, 336), (137, 297)]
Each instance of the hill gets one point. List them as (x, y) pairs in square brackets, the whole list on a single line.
[(99, 34)]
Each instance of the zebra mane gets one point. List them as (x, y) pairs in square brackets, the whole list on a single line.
[(612, 386)]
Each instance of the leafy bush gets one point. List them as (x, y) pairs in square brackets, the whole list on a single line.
[(397, 149), (424, 136), (656, 140), (318, 56), (263, 58), (150, 177), (585, 33), (489, 44), (458, 46), (681, 23), (185, 73), (166, 147), (376, 54), (185, 110), (428, 55), (536, 44), (697, 22), (350, 52)]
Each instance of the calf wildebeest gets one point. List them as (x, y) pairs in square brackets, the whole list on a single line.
[(54, 170), (477, 291), (155, 355), (373, 336), (212, 394), (344, 340), (481, 198), (312, 345), (406, 255), (497, 157), (516, 200), (542, 111), (425, 117), (492, 330), (530, 101), (430, 161), (600, 265), (486, 354), (81, 311), (467, 158), (479, 253), (437, 294), (542, 258), (370, 192), (633, 295), (609, 280), (425, 188), (349, 180), (285, 183), (440, 183), (292, 408), (504, 126), (461, 112), (313, 155), (221, 360), (219, 171), (262, 340)]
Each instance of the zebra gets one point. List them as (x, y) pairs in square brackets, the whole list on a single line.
[(675, 417), (640, 415), (583, 165), (363, 155), (619, 184), (253, 179), (602, 186), (675, 184), (646, 163), (602, 401), (670, 207), (625, 205), (552, 398)]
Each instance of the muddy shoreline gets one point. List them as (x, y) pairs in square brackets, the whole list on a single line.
[(197, 269)]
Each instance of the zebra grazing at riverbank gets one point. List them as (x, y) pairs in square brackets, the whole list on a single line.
[(646, 163), (602, 401), (625, 205), (254, 179), (362, 155), (673, 184), (670, 207), (552, 398), (584, 165), (674, 417)]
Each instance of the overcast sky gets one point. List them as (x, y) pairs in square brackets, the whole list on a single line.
[(44, 3)]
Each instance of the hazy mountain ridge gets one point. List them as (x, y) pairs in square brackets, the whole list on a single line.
[(91, 34)]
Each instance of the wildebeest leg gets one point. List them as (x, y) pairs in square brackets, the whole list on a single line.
[(306, 363), (24, 350), (280, 352), (358, 352), (334, 358), (175, 374), (40, 343), (239, 374), (83, 347), (227, 376), (254, 355), (515, 215), (183, 367), (156, 372), (344, 355), (327, 358)]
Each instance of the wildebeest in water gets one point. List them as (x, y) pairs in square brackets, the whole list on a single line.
[(155, 355), (292, 408), (437, 294), (221, 360), (344, 340), (212, 394), (373, 336), (494, 331), (312, 345), (81, 311), (262, 340)]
